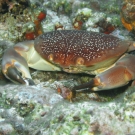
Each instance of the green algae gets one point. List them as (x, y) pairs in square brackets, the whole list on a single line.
[(25, 109), (62, 6), (4, 101)]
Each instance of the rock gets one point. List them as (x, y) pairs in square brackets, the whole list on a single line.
[(32, 109), (40, 109)]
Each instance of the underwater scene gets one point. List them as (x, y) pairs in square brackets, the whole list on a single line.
[(67, 67)]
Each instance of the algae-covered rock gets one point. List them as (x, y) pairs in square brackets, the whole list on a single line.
[(42, 109), (20, 105), (46, 112)]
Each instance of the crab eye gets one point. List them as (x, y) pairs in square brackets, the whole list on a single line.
[(80, 61), (50, 57)]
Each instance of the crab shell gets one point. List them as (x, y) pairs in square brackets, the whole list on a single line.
[(74, 52), (80, 51)]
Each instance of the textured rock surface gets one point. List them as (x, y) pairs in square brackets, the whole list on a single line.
[(40, 110), (32, 110)]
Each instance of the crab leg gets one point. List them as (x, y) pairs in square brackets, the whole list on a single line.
[(118, 75)]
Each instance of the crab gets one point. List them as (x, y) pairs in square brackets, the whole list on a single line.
[(73, 51)]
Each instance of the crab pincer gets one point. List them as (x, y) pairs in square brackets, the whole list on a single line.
[(14, 66)]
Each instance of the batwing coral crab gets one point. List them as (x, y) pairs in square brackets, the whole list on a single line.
[(75, 52)]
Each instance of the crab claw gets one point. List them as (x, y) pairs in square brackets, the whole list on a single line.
[(15, 67), (14, 74), (116, 76)]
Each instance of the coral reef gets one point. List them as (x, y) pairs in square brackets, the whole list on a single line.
[(42, 109), (81, 16), (15, 7), (70, 14), (128, 14), (31, 110), (59, 6), (25, 23), (93, 118)]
